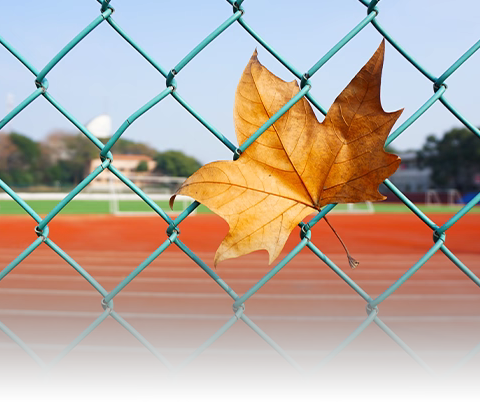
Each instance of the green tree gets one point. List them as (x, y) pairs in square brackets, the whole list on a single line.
[(454, 159), (81, 151), (20, 160), (176, 163), (127, 147), (28, 149), (7, 151), (142, 166), (391, 149), (67, 157)]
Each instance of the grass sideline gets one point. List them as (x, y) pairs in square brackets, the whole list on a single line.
[(81, 207)]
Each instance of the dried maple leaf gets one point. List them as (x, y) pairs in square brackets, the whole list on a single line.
[(298, 165)]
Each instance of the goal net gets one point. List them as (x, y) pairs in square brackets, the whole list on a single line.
[(358, 208), (123, 201), (449, 197)]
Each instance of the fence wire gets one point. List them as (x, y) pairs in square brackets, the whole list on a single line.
[(173, 233)]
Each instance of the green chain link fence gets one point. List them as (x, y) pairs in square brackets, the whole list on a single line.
[(173, 233)]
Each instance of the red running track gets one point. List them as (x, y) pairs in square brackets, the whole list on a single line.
[(306, 308)]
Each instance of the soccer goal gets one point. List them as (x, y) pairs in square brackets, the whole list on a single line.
[(122, 201), (449, 197), (357, 208)]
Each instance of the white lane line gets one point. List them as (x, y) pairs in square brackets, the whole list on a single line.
[(290, 271), (224, 317), (161, 260), (144, 279), (173, 254), (224, 351), (263, 296), (93, 256)]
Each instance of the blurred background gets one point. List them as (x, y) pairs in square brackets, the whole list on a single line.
[(105, 76)]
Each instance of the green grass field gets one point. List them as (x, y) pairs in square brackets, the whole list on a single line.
[(75, 207)]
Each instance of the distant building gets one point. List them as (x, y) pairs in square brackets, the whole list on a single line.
[(126, 164), (410, 178)]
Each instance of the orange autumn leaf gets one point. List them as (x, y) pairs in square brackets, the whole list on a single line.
[(298, 165)]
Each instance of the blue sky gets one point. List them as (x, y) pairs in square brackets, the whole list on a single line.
[(103, 74)]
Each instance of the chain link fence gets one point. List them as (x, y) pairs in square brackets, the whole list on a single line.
[(173, 236)]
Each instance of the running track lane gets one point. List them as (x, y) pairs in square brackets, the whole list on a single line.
[(305, 308)]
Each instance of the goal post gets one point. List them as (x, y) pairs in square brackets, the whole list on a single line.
[(450, 197), (363, 207), (454, 197), (432, 197), (158, 188), (357, 208)]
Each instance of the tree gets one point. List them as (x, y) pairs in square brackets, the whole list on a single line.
[(81, 151), (391, 149), (142, 166), (67, 157), (64, 158), (454, 159), (127, 147), (29, 150), (176, 163), (7, 149), (20, 159)]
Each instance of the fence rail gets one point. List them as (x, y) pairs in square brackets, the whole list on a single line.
[(173, 237)]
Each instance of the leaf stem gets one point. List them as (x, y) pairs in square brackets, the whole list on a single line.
[(351, 261)]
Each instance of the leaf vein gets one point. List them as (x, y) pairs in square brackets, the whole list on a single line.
[(261, 227), (253, 189)]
